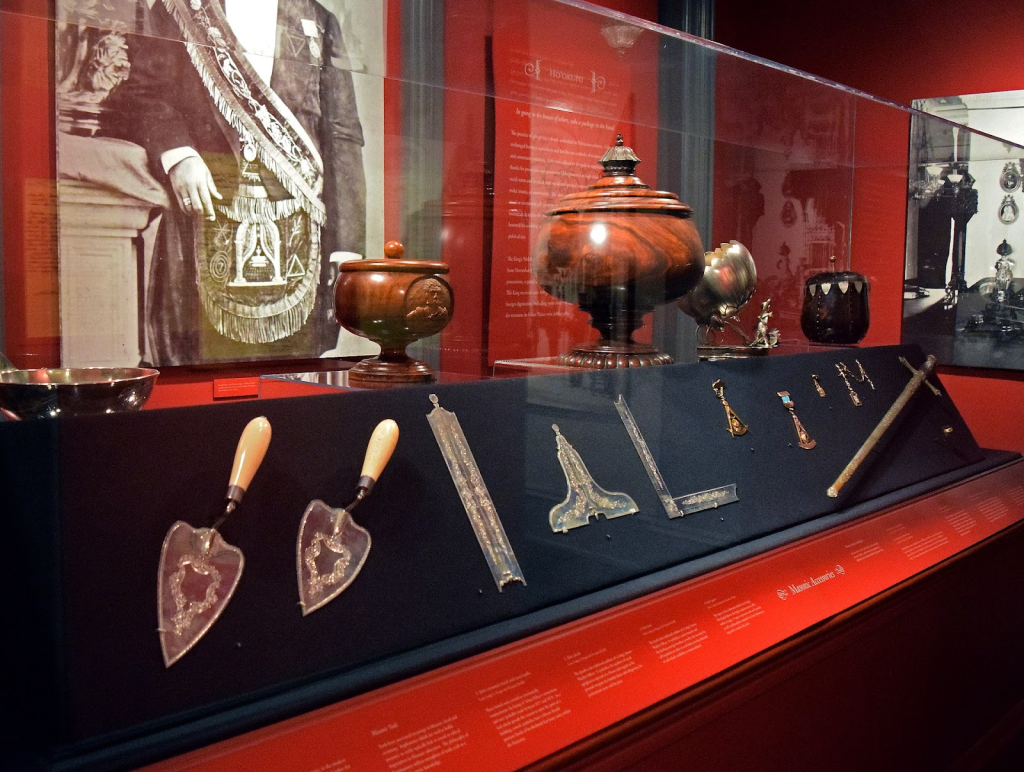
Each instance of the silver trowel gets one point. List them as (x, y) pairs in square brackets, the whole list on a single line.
[(332, 547)]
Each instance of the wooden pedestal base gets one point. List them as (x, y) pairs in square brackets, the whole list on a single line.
[(606, 355), (390, 369)]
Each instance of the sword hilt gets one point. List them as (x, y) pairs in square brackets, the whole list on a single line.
[(914, 371)]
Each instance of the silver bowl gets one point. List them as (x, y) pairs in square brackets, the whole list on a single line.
[(74, 391)]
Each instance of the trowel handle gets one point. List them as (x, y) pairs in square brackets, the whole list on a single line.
[(252, 446), (378, 453)]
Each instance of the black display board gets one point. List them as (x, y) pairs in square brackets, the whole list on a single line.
[(87, 503)]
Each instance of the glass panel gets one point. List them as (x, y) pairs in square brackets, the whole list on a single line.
[(475, 119)]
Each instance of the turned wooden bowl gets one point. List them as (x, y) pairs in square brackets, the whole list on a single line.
[(393, 302), (617, 250)]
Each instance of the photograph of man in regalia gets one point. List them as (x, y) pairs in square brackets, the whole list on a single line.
[(247, 115)]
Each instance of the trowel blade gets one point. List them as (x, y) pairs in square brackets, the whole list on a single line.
[(198, 574), (330, 552)]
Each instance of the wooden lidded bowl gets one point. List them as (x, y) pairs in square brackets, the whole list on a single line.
[(393, 302), (835, 309), (617, 250)]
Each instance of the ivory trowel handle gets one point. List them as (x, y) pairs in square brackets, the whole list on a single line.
[(378, 453), (252, 447)]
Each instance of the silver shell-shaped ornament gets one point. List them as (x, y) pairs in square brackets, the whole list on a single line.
[(729, 281)]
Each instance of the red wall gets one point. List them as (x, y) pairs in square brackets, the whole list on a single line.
[(897, 50), (465, 207), (642, 9), (30, 322), (901, 51)]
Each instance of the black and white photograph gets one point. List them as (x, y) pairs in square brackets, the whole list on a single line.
[(217, 160), (963, 294)]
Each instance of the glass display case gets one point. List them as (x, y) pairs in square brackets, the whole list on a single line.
[(563, 441)]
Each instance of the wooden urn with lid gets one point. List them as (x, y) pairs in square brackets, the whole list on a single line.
[(835, 308), (617, 250), (393, 302)]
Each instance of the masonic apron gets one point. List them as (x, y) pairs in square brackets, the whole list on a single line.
[(258, 264)]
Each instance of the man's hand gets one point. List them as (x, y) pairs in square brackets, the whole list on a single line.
[(194, 188)]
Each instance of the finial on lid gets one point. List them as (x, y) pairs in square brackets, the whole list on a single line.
[(394, 250), (620, 160)]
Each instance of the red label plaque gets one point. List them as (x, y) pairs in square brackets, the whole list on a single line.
[(231, 388)]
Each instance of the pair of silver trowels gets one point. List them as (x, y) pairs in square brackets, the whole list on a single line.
[(199, 571)]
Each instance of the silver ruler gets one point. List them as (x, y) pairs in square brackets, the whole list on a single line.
[(475, 498), (681, 505), (646, 458)]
